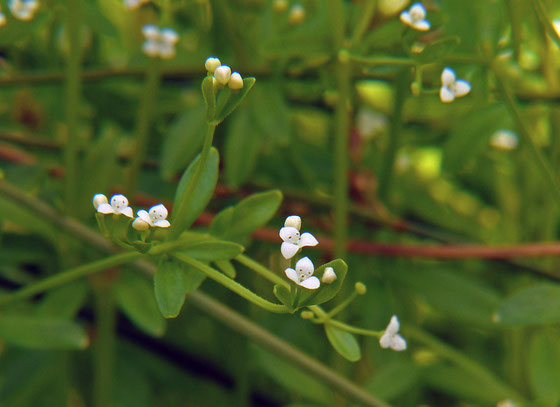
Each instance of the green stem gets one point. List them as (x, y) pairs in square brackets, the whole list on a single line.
[(69, 275), (546, 22), (262, 270), (232, 285), (363, 23), (176, 226), (354, 329), (460, 360), (72, 99), (339, 307), (382, 61), (143, 124), (104, 347)]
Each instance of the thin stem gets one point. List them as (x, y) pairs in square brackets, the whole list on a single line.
[(104, 346), (72, 99), (363, 23), (69, 275), (232, 285), (262, 270), (546, 22), (354, 329), (339, 307), (143, 124), (382, 61), (176, 227)]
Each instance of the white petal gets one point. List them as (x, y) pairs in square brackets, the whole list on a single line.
[(166, 51), (150, 48), (158, 212), (140, 225), (164, 223), (307, 239), (119, 202), (311, 283), (461, 88), (289, 250), (417, 12), (142, 214), (289, 234), (393, 326), (293, 221), (405, 17), (448, 77), (151, 32), (292, 275), (169, 36), (446, 95), (305, 266), (99, 199), (126, 212), (385, 340), (422, 25), (105, 208), (398, 343)]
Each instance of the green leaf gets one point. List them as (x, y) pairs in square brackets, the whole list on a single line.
[(394, 379), (326, 291), (226, 267), (170, 288), (209, 98), (135, 296), (189, 207), (253, 212), (183, 140), (544, 359), (241, 148), (212, 250), (64, 302), (42, 332), (284, 296), (538, 304), (344, 343), (228, 100)]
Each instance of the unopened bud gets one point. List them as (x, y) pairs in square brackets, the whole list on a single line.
[(415, 88), (99, 199), (211, 64), (329, 276), (280, 6), (307, 315), (293, 221), (297, 14), (235, 81), (222, 74), (360, 288)]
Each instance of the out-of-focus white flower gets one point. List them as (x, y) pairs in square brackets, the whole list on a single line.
[(297, 14), (303, 274), (155, 217), (504, 140), (370, 123), (293, 241), (23, 9), (134, 4), (211, 64), (415, 17), (391, 338), (329, 276), (160, 43), (118, 206), (451, 87), (235, 81), (2, 19), (222, 74)]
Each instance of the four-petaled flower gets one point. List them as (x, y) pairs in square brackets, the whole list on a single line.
[(118, 206), (415, 17), (303, 274), (23, 9), (391, 338), (451, 87), (159, 43), (293, 242), (155, 217)]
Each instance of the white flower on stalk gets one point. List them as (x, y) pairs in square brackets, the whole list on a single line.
[(118, 206), (329, 276), (211, 64), (391, 338), (155, 217), (303, 274), (293, 241), (415, 17), (160, 43), (134, 4), (451, 87), (23, 9)]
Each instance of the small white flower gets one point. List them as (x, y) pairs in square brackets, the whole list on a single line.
[(415, 17), (293, 241), (451, 87), (329, 276), (159, 43), (370, 123), (235, 81), (118, 206), (391, 338), (504, 140), (2, 19), (134, 4), (155, 217), (297, 14), (23, 9), (303, 274), (211, 64), (222, 74)]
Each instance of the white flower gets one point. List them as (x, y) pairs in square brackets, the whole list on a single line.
[(415, 17), (235, 81), (452, 87), (222, 74), (303, 274), (504, 140), (329, 276), (391, 338), (159, 43), (211, 64), (118, 206), (293, 242), (134, 4), (2, 19), (370, 123), (23, 9), (156, 217), (297, 14)]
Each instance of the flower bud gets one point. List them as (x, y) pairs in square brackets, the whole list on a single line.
[(329, 276), (99, 199), (280, 6), (235, 81), (293, 221), (140, 225), (360, 288), (222, 74), (211, 64), (307, 315), (297, 14)]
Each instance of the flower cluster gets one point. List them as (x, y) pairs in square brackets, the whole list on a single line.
[(451, 87), (156, 216), (160, 43), (391, 338), (23, 10), (222, 74)]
